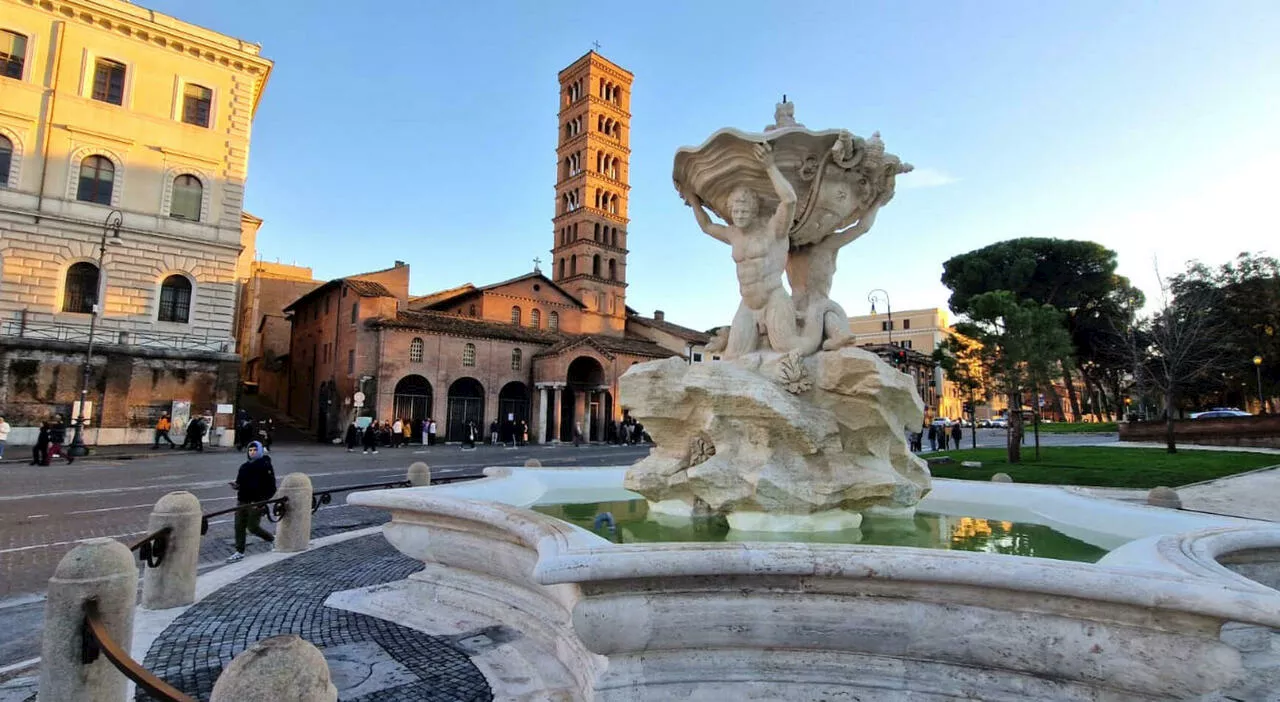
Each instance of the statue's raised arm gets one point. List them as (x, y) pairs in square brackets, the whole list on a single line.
[(716, 231), (780, 222)]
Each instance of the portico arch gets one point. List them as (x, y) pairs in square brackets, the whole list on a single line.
[(412, 401), (583, 404), (466, 403), (513, 402)]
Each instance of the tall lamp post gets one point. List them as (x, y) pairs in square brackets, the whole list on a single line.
[(872, 297), (1257, 368), (112, 227)]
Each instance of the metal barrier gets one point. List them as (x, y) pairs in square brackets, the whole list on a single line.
[(277, 506), (96, 641), (325, 497), (151, 548)]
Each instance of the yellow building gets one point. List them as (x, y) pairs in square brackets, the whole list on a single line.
[(111, 114), (922, 331)]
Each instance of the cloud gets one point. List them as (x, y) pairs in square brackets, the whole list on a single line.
[(925, 178)]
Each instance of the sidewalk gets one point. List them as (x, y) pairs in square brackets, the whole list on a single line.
[(22, 454)]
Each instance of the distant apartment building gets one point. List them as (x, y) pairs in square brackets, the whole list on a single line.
[(263, 330), (118, 120), (919, 331)]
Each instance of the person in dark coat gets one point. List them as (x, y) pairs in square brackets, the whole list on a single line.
[(353, 436), (933, 437), (40, 452), (255, 482), (370, 438), (956, 433)]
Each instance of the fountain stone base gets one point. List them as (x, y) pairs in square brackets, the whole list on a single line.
[(778, 442)]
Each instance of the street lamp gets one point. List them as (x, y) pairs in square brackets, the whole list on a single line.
[(110, 226), (872, 297), (1257, 367)]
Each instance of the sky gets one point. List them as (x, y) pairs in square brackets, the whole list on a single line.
[(425, 131)]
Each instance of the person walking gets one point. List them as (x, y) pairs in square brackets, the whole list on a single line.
[(4, 435), (933, 437), (956, 433), (943, 436), (522, 433), (406, 431), (370, 438), (162, 431), (397, 430), (352, 439), (57, 437), (255, 482), (40, 451), (431, 432), (493, 432)]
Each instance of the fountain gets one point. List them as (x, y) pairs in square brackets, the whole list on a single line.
[(727, 564)]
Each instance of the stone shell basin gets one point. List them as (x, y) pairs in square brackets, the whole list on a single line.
[(754, 621)]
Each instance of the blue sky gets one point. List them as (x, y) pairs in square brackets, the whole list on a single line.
[(425, 131)]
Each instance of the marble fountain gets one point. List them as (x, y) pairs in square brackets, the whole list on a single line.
[(781, 542)]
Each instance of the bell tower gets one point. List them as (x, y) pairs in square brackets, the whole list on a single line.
[(589, 254)]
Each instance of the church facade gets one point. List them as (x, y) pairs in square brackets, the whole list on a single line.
[(546, 349)]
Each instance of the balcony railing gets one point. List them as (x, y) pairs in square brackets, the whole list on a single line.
[(79, 334)]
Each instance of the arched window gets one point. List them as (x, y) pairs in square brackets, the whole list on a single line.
[(535, 318), (553, 321), (597, 237), (188, 193), (515, 359), (97, 177), (415, 350), (469, 355), (515, 315), (6, 159), (175, 299), (613, 269), (561, 269), (595, 265), (80, 291), (613, 237), (472, 310), (573, 265)]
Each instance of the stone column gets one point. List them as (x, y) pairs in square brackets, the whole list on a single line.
[(281, 668), (97, 569), (556, 398), (173, 582), (294, 531), (540, 419), (601, 416)]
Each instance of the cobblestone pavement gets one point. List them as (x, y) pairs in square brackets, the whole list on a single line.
[(288, 598)]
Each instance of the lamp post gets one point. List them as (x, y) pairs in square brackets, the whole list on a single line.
[(1257, 368), (110, 226), (872, 297)]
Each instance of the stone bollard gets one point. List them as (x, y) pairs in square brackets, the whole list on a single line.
[(533, 463), (1162, 496), (173, 582), (97, 569), (279, 669), (1001, 478), (419, 474), (294, 531)]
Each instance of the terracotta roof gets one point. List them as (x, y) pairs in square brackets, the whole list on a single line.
[(455, 294), (363, 288), (610, 346), (440, 296), (673, 329), (455, 325)]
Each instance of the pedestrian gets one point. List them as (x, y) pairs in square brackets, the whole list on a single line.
[(162, 431), (255, 482), (267, 433), (396, 432), (577, 433), (431, 432), (57, 438), (353, 436), (406, 428), (933, 437), (956, 433), (370, 438), (4, 435), (493, 432), (40, 451), (195, 434), (522, 435), (942, 436)]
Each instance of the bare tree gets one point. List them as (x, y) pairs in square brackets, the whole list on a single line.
[(1176, 347)]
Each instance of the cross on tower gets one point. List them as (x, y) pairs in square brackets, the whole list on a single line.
[(536, 261), (595, 45)]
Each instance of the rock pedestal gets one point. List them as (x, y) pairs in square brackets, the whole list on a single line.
[(777, 442)]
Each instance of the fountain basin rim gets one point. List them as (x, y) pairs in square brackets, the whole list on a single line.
[(569, 554)]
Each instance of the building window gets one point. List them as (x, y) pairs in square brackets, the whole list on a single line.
[(80, 292), (697, 358), (515, 359), (13, 54), (6, 159), (553, 321), (196, 101), (97, 177), (351, 361), (906, 324), (906, 344), (188, 194), (355, 311), (595, 265), (535, 318), (515, 316), (886, 326), (175, 299), (613, 269), (561, 269), (108, 81), (469, 355), (471, 310), (415, 350)]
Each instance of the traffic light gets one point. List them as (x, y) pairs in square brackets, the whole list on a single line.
[(968, 408), (900, 358)]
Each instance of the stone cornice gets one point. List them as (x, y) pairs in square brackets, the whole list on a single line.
[(81, 131), (593, 176), (591, 210), (190, 156), (597, 100), (615, 249), (592, 136), (594, 279)]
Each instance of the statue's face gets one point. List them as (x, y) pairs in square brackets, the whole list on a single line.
[(742, 207)]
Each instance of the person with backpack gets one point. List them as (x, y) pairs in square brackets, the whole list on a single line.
[(255, 482)]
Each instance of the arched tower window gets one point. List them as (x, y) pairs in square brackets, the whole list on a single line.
[(535, 318), (515, 359), (613, 269), (80, 290), (515, 315), (469, 355), (415, 350), (553, 321), (561, 269), (613, 237), (595, 265), (573, 265), (175, 299), (597, 234)]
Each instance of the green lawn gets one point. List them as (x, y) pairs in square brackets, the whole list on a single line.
[(1076, 428), (1102, 466)]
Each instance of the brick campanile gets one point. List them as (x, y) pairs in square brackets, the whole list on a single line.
[(592, 174)]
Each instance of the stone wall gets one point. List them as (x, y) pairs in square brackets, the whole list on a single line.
[(128, 386), (1262, 431)]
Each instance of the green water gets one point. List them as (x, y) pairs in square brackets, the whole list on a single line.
[(925, 530)]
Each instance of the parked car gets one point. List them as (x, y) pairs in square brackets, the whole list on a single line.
[(1000, 423), (1220, 414)]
